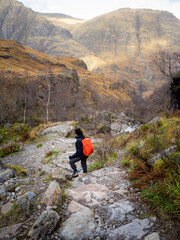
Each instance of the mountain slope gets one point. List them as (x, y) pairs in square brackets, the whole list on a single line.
[(21, 24), (128, 32), (63, 20), (81, 91), (125, 39), (117, 45)]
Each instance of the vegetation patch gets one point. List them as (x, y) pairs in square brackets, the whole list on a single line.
[(96, 165), (11, 217), (47, 178), (50, 156), (21, 171), (159, 183), (17, 132), (39, 145), (9, 149)]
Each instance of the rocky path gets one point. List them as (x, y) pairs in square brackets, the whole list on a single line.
[(99, 205)]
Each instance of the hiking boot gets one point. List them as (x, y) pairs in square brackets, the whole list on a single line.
[(75, 173)]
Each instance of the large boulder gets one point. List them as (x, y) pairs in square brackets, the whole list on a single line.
[(152, 236), (90, 195), (53, 195), (135, 230), (62, 129), (5, 208), (78, 226), (60, 175), (118, 211), (74, 207), (44, 225), (24, 206), (9, 232)]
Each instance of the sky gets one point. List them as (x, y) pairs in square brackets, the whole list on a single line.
[(87, 9)]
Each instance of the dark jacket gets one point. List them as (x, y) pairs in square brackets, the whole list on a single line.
[(79, 148)]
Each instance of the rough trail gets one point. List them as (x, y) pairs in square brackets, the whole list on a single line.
[(99, 205)]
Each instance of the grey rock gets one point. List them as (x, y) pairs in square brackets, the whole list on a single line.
[(17, 189), (76, 183), (3, 194), (59, 175), (24, 206), (2, 180), (122, 125), (30, 195), (5, 208), (154, 120), (152, 236), (80, 225), (134, 230), (7, 174), (140, 145), (44, 225), (52, 195), (10, 231), (10, 187), (118, 211), (62, 129), (163, 154), (7, 125)]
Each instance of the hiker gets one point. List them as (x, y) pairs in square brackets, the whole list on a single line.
[(79, 155)]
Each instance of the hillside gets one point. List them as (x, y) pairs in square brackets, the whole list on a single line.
[(20, 64)]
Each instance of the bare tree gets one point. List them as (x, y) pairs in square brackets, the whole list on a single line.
[(168, 63), (44, 94)]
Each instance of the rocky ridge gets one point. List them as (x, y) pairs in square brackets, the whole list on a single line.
[(22, 24), (98, 205)]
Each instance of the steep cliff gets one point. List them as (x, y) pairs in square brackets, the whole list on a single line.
[(128, 32), (21, 24)]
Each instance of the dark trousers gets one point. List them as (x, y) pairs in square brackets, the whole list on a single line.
[(77, 159)]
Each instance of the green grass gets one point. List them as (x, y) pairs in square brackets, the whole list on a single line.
[(163, 197), (96, 165), (39, 145), (21, 171)]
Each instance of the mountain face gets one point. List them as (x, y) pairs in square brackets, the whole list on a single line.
[(126, 39), (23, 25), (117, 45), (128, 33)]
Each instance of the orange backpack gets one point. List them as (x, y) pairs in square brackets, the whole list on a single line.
[(87, 146)]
